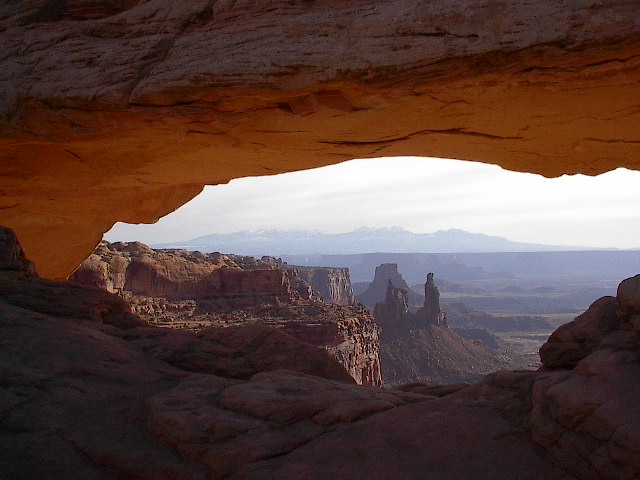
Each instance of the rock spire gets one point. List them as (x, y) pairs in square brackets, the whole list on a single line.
[(431, 312)]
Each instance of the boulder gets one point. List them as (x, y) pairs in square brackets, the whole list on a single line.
[(577, 339), (628, 300), (585, 409)]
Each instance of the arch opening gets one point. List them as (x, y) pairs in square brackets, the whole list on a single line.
[(420, 195), (515, 255)]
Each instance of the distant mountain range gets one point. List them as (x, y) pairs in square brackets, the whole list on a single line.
[(362, 240)]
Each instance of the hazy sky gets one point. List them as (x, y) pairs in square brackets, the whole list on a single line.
[(422, 195)]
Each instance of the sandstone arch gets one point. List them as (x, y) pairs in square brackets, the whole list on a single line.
[(123, 110)]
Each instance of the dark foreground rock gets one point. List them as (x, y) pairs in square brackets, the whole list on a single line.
[(87, 400), (586, 401), (80, 398)]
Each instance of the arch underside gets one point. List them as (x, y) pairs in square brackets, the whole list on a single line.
[(125, 114)]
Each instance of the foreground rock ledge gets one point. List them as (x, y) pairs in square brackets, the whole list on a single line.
[(90, 391), (123, 110)]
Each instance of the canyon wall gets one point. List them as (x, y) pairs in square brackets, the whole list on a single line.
[(122, 111), (193, 290), (349, 333), (333, 284), (182, 275)]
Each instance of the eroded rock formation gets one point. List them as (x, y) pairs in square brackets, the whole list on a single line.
[(431, 312), (213, 278), (194, 291), (391, 313), (378, 288), (419, 347), (84, 398), (140, 104), (12, 258), (120, 111), (333, 284), (585, 399)]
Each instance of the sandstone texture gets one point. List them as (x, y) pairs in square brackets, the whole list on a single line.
[(196, 291), (12, 258), (123, 110), (82, 398), (328, 284), (348, 333), (181, 274), (90, 391), (576, 340)]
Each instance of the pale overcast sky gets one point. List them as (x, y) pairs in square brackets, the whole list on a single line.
[(422, 195)]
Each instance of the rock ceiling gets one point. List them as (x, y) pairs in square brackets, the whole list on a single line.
[(122, 110)]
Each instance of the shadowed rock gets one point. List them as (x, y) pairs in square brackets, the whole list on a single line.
[(587, 413), (12, 258), (419, 347), (575, 340), (378, 288), (83, 399)]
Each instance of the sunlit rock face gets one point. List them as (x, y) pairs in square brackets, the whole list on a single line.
[(195, 291), (123, 110), (183, 275)]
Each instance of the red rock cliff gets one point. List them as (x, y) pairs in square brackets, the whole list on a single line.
[(181, 274), (333, 284), (194, 290), (85, 396)]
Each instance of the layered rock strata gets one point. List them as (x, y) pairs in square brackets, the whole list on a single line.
[(82, 398), (333, 284), (192, 290), (182, 275), (329, 284)]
